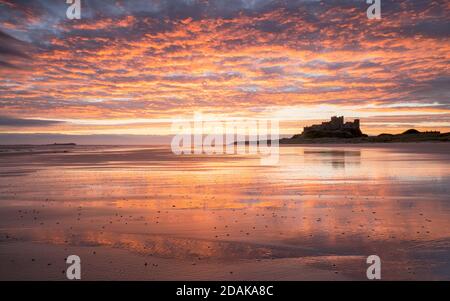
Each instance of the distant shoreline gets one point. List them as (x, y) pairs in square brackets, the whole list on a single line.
[(336, 131), (416, 137), (383, 138)]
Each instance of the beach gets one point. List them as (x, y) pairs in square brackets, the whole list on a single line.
[(143, 213)]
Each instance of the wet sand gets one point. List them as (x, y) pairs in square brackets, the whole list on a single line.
[(141, 213)]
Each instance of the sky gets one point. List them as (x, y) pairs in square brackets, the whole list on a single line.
[(131, 67)]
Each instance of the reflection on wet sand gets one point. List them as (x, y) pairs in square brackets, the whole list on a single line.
[(337, 158), (321, 205)]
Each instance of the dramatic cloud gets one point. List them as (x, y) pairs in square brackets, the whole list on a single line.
[(18, 122), (159, 59), (11, 51)]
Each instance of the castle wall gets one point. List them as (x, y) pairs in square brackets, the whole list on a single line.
[(335, 124)]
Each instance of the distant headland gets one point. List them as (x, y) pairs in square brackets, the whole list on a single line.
[(336, 131), (62, 144)]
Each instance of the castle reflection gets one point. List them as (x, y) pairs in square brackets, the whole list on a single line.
[(336, 158)]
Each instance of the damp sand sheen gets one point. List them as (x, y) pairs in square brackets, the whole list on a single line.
[(142, 213)]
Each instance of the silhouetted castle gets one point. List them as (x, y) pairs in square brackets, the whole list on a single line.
[(334, 128), (336, 123)]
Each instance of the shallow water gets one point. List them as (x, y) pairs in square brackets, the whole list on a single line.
[(324, 204)]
